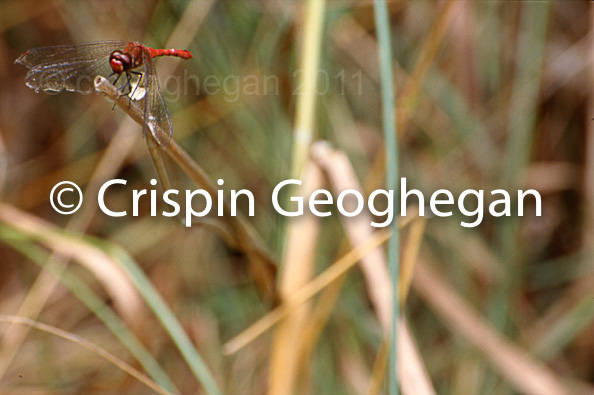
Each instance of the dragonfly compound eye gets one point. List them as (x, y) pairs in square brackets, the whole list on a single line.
[(120, 61)]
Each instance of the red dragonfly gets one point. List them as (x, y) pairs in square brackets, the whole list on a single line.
[(74, 68)]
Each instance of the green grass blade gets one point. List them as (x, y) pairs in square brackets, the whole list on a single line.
[(86, 295), (165, 316), (382, 22)]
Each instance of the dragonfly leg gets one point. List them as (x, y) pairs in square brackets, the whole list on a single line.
[(118, 75), (126, 89)]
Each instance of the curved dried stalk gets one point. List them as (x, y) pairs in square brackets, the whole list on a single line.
[(89, 346), (261, 265)]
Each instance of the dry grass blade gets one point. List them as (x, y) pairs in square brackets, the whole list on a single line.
[(328, 276), (410, 256), (320, 314), (342, 177), (261, 265), (424, 62), (301, 236), (107, 272), (523, 372), (298, 267), (155, 153), (379, 368), (310, 61), (89, 346), (411, 369)]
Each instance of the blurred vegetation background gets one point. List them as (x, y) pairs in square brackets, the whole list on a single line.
[(489, 95)]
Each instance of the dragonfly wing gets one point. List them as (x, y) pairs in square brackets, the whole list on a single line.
[(156, 115), (69, 67)]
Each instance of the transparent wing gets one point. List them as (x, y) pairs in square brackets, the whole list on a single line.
[(69, 67), (156, 114)]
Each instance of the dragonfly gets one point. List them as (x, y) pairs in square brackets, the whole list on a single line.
[(74, 68)]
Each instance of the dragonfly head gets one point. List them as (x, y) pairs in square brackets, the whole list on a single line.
[(120, 61)]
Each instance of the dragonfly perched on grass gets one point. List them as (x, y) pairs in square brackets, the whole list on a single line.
[(74, 68)]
